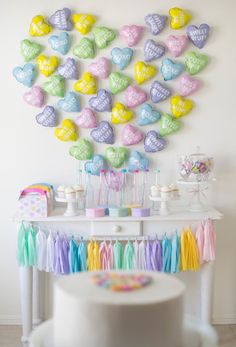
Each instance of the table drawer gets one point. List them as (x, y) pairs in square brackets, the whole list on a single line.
[(118, 229)]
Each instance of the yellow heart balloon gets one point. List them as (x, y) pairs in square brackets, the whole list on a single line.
[(83, 22), (38, 26), (120, 114), (67, 132), (86, 85), (143, 72), (179, 18), (47, 65), (180, 107)]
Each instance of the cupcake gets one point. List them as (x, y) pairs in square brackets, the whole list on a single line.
[(174, 191), (165, 192), (61, 191), (155, 190), (78, 190), (70, 193)]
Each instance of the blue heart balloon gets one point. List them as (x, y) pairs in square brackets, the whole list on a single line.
[(137, 162), (60, 43), (170, 70), (121, 57), (97, 164), (25, 75), (147, 115), (70, 103)]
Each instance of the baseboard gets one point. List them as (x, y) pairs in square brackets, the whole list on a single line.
[(224, 319), (10, 320)]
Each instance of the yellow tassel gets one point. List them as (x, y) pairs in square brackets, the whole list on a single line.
[(90, 256), (183, 251), (96, 264), (193, 255)]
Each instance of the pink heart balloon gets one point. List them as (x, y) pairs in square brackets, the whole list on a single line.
[(34, 97), (100, 68), (131, 34), (86, 119), (176, 44), (131, 135), (187, 85), (134, 96)]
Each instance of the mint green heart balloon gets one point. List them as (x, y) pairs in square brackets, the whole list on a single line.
[(55, 86), (195, 62), (82, 150), (84, 49), (168, 125), (116, 156), (29, 49), (103, 36), (118, 82)]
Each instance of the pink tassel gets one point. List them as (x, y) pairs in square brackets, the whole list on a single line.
[(209, 241), (110, 257), (200, 240), (103, 256)]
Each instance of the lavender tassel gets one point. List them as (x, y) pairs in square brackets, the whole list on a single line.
[(156, 256)]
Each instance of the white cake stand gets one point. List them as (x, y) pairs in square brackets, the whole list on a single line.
[(164, 203), (72, 206)]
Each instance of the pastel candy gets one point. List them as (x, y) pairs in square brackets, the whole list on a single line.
[(55, 86), (170, 70), (34, 97), (195, 62), (168, 125), (103, 133), (67, 131), (176, 44), (47, 117), (153, 142), (137, 162), (86, 119), (82, 150), (187, 85), (100, 68), (134, 96), (70, 103), (147, 115), (131, 135), (121, 57), (120, 114), (153, 50), (60, 43), (30, 50), (179, 18), (143, 72), (103, 36), (131, 34), (116, 156), (155, 22), (86, 85), (84, 49), (38, 26), (180, 107), (25, 75), (61, 19), (47, 65), (69, 69), (83, 22), (102, 102), (118, 82), (198, 35), (159, 92), (97, 164)]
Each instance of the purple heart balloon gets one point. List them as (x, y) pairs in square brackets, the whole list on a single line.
[(48, 117), (158, 92), (153, 50), (68, 70), (61, 19), (102, 102), (103, 133), (198, 35), (155, 22), (153, 142)]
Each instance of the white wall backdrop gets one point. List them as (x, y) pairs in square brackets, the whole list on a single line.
[(30, 153)]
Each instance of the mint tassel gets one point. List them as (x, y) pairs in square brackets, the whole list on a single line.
[(166, 255), (82, 256), (73, 257), (128, 256), (22, 246), (175, 254), (118, 252), (31, 246)]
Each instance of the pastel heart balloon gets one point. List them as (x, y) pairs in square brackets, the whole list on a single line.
[(195, 62), (60, 43), (102, 102), (131, 34), (30, 50), (121, 57), (153, 50), (47, 117), (61, 19), (82, 150), (84, 49), (198, 35), (103, 133), (137, 162), (83, 22), (179, 18), (134, 96), (69, 69), (103, 36), (120, 114), (38, 26), (180, 107), (55, 86), (131, 135), (116, 156), (155, 22), (176, 44), (86, 119), (34, 97), (153, 142), (86, 85), (67, 131), (187, 85), (168, 125), (95, 166), (159, 92), (118, 82), (47, 65), (170, 70), (100, 68), (143, 72), (25, 75), (70, 103), (147, 115)]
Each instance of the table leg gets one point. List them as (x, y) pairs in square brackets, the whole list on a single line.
[(26, 301), (207, 272), (37, 296)]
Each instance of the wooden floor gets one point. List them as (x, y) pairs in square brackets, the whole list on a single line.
[(10, 335)]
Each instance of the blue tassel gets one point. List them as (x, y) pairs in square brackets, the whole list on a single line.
[(82, 256), (175, 254), (73, 257), (166, 255)]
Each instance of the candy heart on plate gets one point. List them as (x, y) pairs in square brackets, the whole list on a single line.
[(84, 49), (47, 117), (137, 162), (69, 69), (195, 62), (34, 97), (118, 82), (134, 96), (179, 18), (55, 86), (143, 72), (47, 65), (153, 50), (100, 68), (86, 85), (70, 103), (147, 115), (102, 102), (86, 119), (153, 142), (198, 35), (121, 57), (176, 44), (131, 135), (30, 50), (38, 26), (116, 156), (155, 22), (67, 131), (120, 114), (170, 70), (61, 19), (187, 85), (103, 133), (60, 43), (168, 125), (159, 92), (180, 107), (83, 22), (95, 166), (131, 34), (25, 75), (82, 150), (103, 36)]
